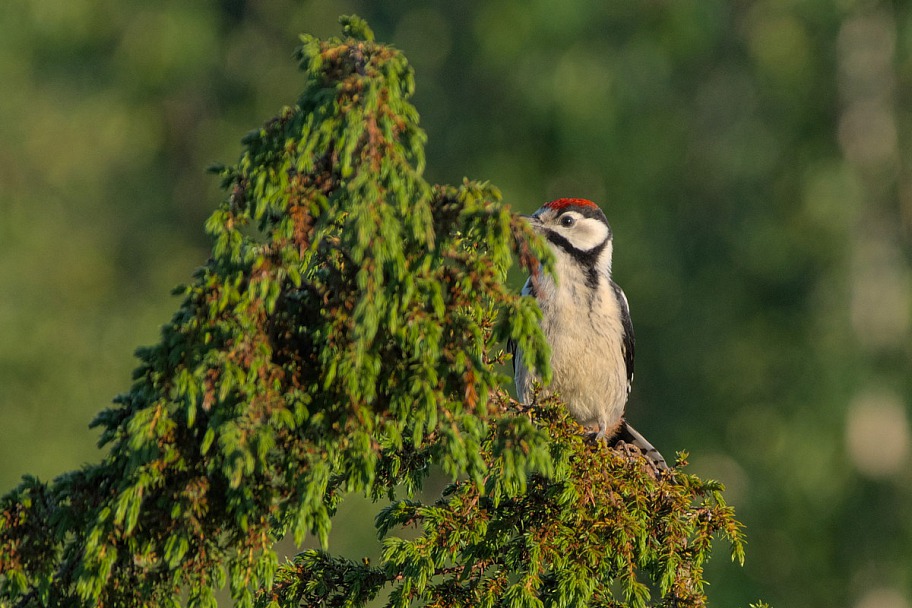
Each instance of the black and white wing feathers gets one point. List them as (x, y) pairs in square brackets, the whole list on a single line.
[(629, 339), (512, 347)]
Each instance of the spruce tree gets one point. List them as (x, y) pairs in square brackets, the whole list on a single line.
[(346, 335)]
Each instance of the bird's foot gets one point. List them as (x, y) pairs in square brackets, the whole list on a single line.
[(593, 436)]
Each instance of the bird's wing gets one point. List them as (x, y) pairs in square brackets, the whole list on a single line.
[(629, 339), (528, 289), (512, 347)]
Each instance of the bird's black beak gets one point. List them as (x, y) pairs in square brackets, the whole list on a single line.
[(533, 220)]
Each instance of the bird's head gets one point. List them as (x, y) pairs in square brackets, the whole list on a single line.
[(578, 228)]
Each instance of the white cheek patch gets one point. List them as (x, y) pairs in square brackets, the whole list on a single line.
[(586, 234)]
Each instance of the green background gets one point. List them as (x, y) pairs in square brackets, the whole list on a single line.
[(753, 157)]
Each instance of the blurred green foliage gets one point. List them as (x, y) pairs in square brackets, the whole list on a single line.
[(753, 157)]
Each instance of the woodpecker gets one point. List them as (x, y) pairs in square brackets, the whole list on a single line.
[(586, 320)]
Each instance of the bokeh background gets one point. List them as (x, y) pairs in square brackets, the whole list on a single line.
[(754, 158)]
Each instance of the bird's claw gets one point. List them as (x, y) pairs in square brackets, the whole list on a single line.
[(594, 436)]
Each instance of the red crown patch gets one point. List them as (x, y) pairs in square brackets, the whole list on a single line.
[(561, 203)]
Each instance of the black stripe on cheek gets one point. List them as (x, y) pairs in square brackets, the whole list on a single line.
[(586, 259)]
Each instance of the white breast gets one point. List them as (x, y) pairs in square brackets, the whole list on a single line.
[(587, 357)]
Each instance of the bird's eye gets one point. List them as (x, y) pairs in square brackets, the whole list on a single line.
[(567, 221)]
